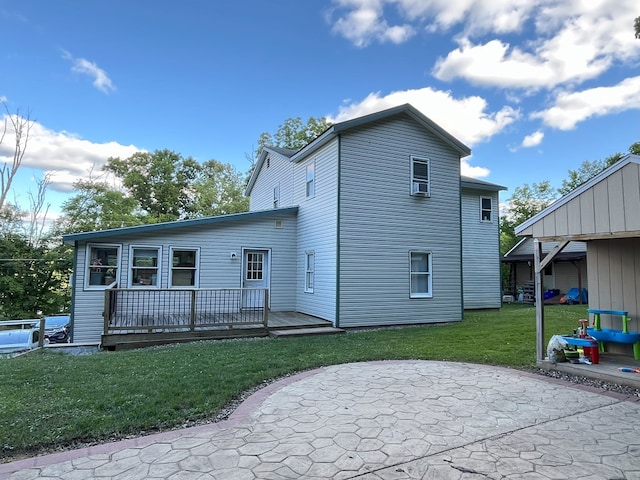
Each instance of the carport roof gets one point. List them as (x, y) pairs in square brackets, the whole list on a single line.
[(563, 219)]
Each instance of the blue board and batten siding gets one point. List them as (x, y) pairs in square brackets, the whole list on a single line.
[(381, 223), (317, 230), (216, 268), (480, 251)]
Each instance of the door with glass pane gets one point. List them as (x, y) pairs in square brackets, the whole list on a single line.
[(255, 275)]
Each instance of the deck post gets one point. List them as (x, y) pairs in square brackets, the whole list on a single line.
[(41, 333), (106, 314), (265, 308), (192, 312)]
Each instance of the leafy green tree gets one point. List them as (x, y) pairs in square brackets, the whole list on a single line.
[(218, 190), (156, 187), (98, 206), (292, 134), (525, 202), (160, 182), (589, 169), (33, 279)]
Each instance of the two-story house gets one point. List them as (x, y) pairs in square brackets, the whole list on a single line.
[(370, 224)]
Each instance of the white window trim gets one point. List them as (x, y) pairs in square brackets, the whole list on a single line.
[(429, 294), (197, 270), (311, 164), (87, 267), (482, 210), (414, 184), (131, 266), (309, 271), (276, 196)]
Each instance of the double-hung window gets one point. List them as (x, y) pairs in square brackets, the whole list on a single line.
[(420, 177), (420, 275), (103, 265), (184, 267), (310, 271), (145, 266), (485, 209), (311, 180)]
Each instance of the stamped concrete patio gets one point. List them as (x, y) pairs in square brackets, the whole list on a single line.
[(385, 420)]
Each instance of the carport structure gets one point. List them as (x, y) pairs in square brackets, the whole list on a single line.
[(604, 212)]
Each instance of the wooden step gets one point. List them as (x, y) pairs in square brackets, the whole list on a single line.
[(296, 332)]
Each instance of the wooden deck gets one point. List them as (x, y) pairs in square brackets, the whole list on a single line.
[(279, 320), (276, 321)]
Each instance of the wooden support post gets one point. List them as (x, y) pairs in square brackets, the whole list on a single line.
[(539, 296), (192, 312), (265, 308), (106, 313), (41, 333)]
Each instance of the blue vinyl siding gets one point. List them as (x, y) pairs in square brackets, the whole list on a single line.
[(317, 231), (381, 222), (216, 270), (480, 252)]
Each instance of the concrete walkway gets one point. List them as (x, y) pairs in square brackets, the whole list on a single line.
[(385, 420)]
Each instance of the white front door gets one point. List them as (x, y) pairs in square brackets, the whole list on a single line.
[(255, 275)]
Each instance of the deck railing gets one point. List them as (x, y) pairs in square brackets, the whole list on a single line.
[(129, 310)]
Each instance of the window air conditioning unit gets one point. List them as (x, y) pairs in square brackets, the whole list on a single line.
[(420, 188)]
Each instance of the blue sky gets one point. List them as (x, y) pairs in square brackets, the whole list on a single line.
[(533, 87)]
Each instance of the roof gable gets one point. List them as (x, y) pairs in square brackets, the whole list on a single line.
[(407, 109), (338, 128), (582, 200)]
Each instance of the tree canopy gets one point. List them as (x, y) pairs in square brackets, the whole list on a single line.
[(152, 187), (293, 134), (527, 200)]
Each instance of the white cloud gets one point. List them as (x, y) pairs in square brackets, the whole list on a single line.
[(471, 171), (66, 157), (576, 40), (533, 140), (570, 108), (83, 66), (465, 118), (363, 23)]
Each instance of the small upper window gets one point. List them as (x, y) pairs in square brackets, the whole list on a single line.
[(145, 266), (311, 180), (420, 177), (485, 209), (276, 196), (103, 265)]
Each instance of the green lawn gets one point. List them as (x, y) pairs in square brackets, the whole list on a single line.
[(51, 400)]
